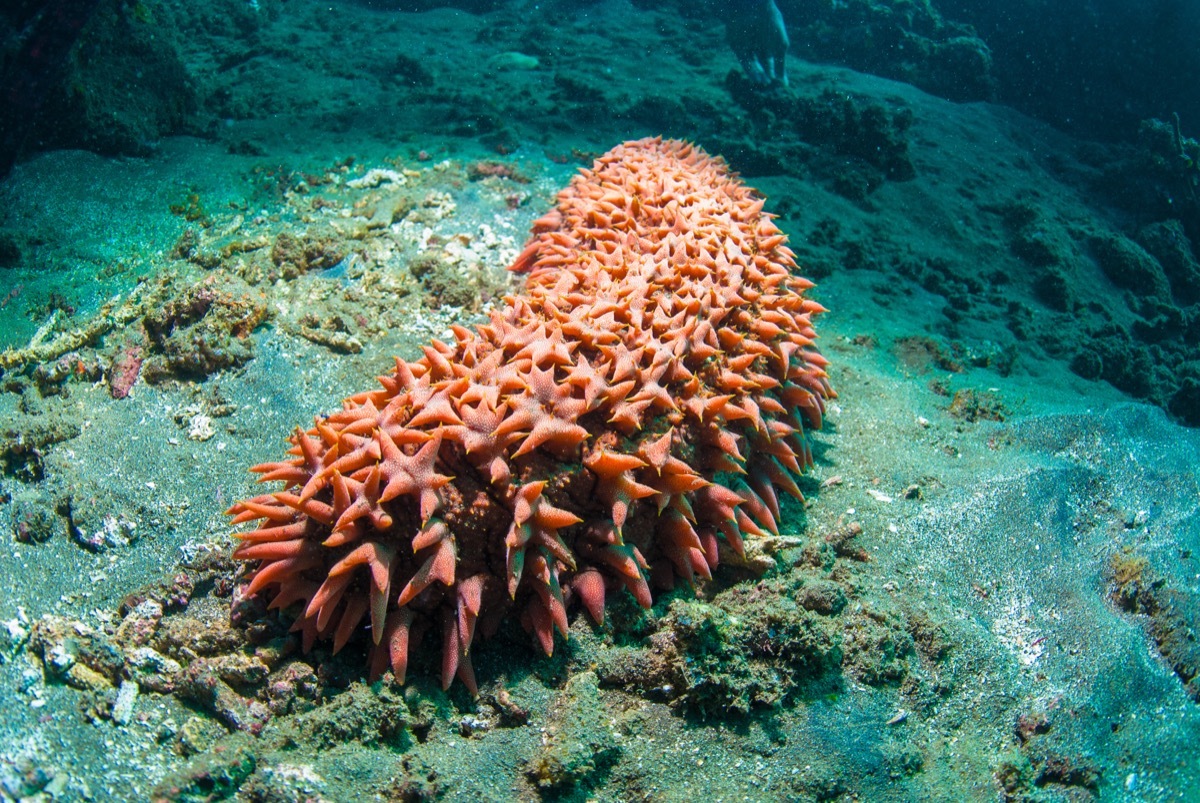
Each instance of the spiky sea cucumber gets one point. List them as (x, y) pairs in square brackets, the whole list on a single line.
[(642, 401)]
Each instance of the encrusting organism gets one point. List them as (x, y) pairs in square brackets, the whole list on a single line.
[(645, 398)]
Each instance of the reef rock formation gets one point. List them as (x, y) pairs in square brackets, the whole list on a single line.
[(643, 400)]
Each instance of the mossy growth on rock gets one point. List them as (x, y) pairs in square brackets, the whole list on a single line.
[(1169, 613), (756, 656), (212, 775), (202, 329), (368, 714), (577, 753), (760, 646)]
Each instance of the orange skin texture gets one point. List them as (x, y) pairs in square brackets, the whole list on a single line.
[(646, 398)]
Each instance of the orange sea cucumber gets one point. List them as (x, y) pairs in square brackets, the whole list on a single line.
[(644, 399)]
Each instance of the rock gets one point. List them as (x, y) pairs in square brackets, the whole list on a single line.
[(1169, 244), (197, 735), (83, 677), (140, 625), (202, 684), (1129, 266), (14, 634), (122, 710), (152, 670), (512, 60), (35, 520), (577, 745)]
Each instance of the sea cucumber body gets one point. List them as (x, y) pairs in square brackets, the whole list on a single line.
[(644, 399)]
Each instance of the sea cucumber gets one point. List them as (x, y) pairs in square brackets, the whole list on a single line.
[(642, 401)]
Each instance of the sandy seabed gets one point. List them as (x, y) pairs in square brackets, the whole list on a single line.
[(1015, 619)]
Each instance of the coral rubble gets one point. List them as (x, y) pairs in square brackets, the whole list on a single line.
[(643, 400)]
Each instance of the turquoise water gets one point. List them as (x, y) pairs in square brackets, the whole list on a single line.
[(223, 219)]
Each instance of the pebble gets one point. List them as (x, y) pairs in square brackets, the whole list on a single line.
[(122, 710), (82, 676), (57, 785), (13, 635)]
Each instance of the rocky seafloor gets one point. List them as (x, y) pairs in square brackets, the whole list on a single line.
[(991, 592)]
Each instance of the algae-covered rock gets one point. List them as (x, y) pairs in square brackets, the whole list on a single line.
[(295, 255), (367, 714), (1168, 612), (751, 647), (1130, 267), (202, 329), (754, 652), (578, 747), (1168, 242), (61, 644), (876, 647), (211, 775)]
